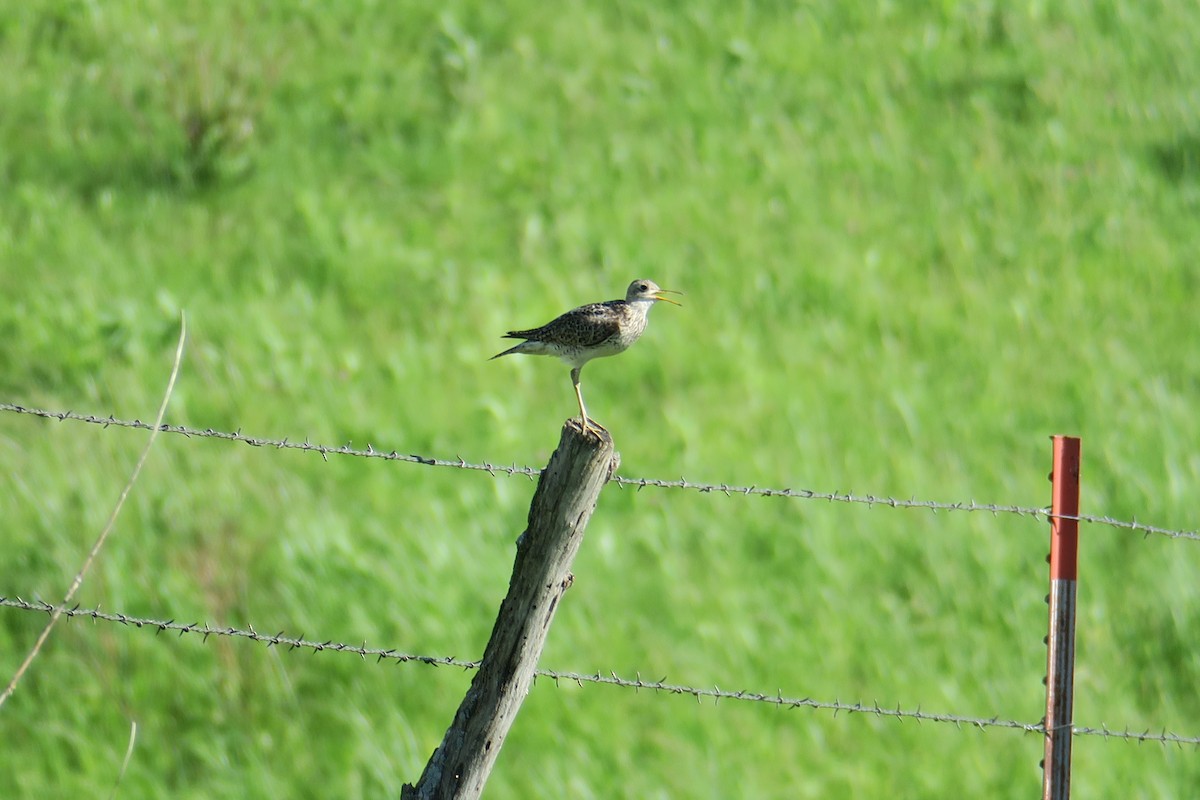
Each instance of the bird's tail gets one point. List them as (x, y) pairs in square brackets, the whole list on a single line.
[(532, 347), (517, 349)]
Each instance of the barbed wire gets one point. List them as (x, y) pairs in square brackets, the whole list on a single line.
[(611, 679), (639, 483), (892, 502), (280, 444)]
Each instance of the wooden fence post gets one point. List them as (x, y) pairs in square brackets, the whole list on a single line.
[(562, 505), (1060, 642)]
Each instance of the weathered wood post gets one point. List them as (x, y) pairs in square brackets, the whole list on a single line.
[(562, 505)]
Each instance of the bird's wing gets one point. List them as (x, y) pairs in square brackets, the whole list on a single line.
[(532, 333), (593, 324), (596, 322)]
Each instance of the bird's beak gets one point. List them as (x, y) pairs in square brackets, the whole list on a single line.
[(659, 296)]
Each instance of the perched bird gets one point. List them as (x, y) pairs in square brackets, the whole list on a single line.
[(592, 331)]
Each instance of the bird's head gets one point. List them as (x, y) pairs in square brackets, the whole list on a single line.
[(643, 290)]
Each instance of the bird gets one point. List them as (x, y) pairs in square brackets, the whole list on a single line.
[(592, 331)]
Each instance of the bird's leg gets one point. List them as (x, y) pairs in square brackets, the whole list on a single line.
[(583, 417)]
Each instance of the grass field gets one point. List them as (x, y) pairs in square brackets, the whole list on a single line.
[(915, 242)]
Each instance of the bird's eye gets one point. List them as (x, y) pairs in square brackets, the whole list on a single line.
[(642, 287)]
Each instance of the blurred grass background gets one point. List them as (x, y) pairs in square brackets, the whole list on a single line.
[(916, 240)]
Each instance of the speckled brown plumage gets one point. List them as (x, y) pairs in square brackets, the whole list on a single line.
[(592, 331)]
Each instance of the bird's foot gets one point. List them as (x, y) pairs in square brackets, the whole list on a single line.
[(591, 426)]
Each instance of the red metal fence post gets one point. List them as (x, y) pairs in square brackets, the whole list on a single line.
[(1060, 643)]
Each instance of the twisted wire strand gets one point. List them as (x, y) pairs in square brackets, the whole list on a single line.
[(639, 483), (637, 683)]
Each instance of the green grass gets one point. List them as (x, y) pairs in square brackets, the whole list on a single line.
[(915, 243)]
